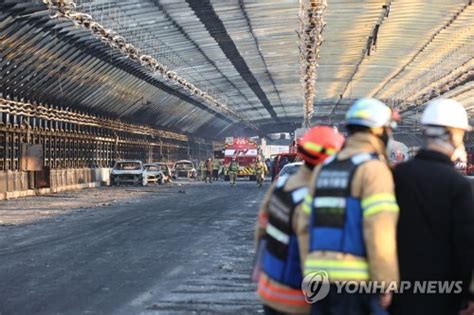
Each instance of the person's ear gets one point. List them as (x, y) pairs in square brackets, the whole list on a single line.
[(377, 131), (456, 136)]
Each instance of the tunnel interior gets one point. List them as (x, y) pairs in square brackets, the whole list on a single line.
[(95, 81)]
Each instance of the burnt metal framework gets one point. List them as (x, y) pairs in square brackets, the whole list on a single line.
[(89, 142), (66, 8), (244, 53), (311, 28)]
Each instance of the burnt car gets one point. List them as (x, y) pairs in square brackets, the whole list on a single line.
[(167, 173), (127, 171), (152, 173), (184, 169)]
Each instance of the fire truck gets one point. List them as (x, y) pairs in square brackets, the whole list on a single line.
[(281, 159), (245, 150)]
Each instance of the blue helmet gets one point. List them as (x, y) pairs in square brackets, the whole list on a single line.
[(369, 112)]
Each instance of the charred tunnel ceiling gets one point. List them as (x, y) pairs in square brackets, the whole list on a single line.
[(243, 53)]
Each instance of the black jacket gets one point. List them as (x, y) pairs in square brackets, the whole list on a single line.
[(435, 230)]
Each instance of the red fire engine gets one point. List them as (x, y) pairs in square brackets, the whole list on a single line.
[(245, 150)]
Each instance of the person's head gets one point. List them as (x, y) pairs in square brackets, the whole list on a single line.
[(445, 122), (234, 159), (318, 144), (369, 115), (259, 158)]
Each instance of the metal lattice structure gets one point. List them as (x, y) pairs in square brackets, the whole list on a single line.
[(242, 54), (67, 9), (75, 140)]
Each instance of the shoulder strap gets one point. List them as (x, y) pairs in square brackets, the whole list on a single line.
[(299, 194), (358, 160), (281, 181)]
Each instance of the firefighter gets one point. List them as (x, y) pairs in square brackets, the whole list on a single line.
[(350, 216), (215, 169), (233, 170), (435, 230), (209, 168), (260, 171), (202, 169), (279, 282)]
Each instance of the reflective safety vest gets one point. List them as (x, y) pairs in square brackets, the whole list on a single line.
[(259, 167), (336, 222), (234, 167), (281, 260)]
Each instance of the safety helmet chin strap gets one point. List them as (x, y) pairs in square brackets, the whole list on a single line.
[(310, 166), (440, 136), (445, 144)]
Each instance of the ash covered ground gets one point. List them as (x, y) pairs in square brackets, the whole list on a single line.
[(131, 250)]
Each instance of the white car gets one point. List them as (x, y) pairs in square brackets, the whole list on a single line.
[(152, 173), (127, 171), (289, 169), (184, 168)]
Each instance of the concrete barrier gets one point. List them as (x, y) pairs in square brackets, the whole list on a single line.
[(16, 184)]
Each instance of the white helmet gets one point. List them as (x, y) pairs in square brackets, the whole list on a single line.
[(446, 113), (369, 112)]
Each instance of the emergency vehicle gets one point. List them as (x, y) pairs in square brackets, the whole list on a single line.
[(281, 159), (245, 150)]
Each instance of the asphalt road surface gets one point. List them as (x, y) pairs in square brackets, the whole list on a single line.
[(169, 250)]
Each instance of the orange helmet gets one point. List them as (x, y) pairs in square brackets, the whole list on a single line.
[(318, 143)]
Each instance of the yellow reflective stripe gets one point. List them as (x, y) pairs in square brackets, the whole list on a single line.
[(381, 207), (306, 205), (306, 208), (313, 146), (378, 203), (318, 148), (330, 151), (376, 198), (342, 274), (362, 113), (360, 264), (343, 270)]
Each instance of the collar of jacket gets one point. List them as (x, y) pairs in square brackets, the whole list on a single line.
[(431, 155), (362, 142), (299, 179)]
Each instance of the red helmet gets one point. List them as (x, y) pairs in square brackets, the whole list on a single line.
[(318, 143)]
